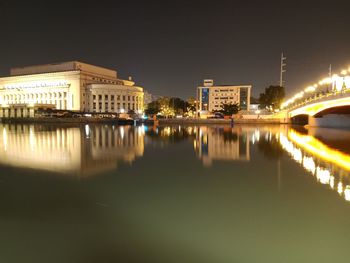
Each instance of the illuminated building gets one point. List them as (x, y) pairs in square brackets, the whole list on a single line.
[(211, 97), (71, 86), (82, 151)]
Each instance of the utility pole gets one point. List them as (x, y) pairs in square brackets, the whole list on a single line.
[(330, 77), (283, 58)]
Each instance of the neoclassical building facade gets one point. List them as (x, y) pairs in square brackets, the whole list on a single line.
[(73, 86)]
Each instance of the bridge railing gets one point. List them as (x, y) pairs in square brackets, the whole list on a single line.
[(318, 98)]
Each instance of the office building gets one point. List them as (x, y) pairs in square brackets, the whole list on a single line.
[(211, 97)]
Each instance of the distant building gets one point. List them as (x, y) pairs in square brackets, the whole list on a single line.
[(211, 97), (148, 97), (73, 86)]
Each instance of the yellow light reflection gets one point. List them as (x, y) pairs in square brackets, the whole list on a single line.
[(317, 148)]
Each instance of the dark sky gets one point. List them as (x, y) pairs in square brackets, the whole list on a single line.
[(170, 46)]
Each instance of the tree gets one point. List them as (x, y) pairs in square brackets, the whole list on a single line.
[(165, 109), (229, 108), (191, 106), (178, 105), (153, 108), (272, 97)]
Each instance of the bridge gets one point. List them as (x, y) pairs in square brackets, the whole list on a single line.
[(324, 104)]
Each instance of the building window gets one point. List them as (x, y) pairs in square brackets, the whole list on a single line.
[(124, 97), (94, 97), (106, 97), (112, 97), (118, 97), (118, 106), (128, 106), (94, 106), (99, 97), (128, 98)]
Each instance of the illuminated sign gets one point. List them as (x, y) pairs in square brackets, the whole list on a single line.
[(38, 84)]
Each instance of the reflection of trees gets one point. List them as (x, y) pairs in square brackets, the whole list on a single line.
[(229, 136), (270, 147)]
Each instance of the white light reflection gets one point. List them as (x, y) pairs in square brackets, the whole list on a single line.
[(309, 164), (122, 132), (87, 130), (347, 193), (323, 175)]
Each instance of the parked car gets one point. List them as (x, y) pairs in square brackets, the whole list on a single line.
[(216, 115)]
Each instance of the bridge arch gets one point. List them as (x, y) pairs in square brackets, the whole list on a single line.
[(323, 107)]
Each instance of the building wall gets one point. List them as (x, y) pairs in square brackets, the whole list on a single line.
[(218, 95), (115, 98), (68, 90), (61, 89)]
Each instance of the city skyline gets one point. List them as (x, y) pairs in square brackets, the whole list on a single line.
[(169, 48)]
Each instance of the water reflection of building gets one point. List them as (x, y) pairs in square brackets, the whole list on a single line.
[(225, 144), (80, 151), (329, 166)]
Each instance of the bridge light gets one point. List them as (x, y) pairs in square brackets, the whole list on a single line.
[(344, 72), (310, 89), (347, 82), (326, 81), (339, 84)]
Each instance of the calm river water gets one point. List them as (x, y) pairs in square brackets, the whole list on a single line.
[(103, 193)]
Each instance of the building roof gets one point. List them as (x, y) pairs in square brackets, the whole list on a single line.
[(63, 66)]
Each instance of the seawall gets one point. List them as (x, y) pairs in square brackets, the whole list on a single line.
[(67, 120)]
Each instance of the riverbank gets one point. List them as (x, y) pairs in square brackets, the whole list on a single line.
[(67, 120), (220, 121), (182, 121)]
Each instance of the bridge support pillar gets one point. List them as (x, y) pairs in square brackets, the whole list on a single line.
[(331, 121)]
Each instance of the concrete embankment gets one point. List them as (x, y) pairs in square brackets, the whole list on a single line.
[(183, 121), (220, 121), (67, 120)]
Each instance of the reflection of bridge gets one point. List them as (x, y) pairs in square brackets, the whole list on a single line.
[(328, 165), (326, 103)]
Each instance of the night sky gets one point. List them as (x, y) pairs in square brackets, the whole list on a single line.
[(169, 47)]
